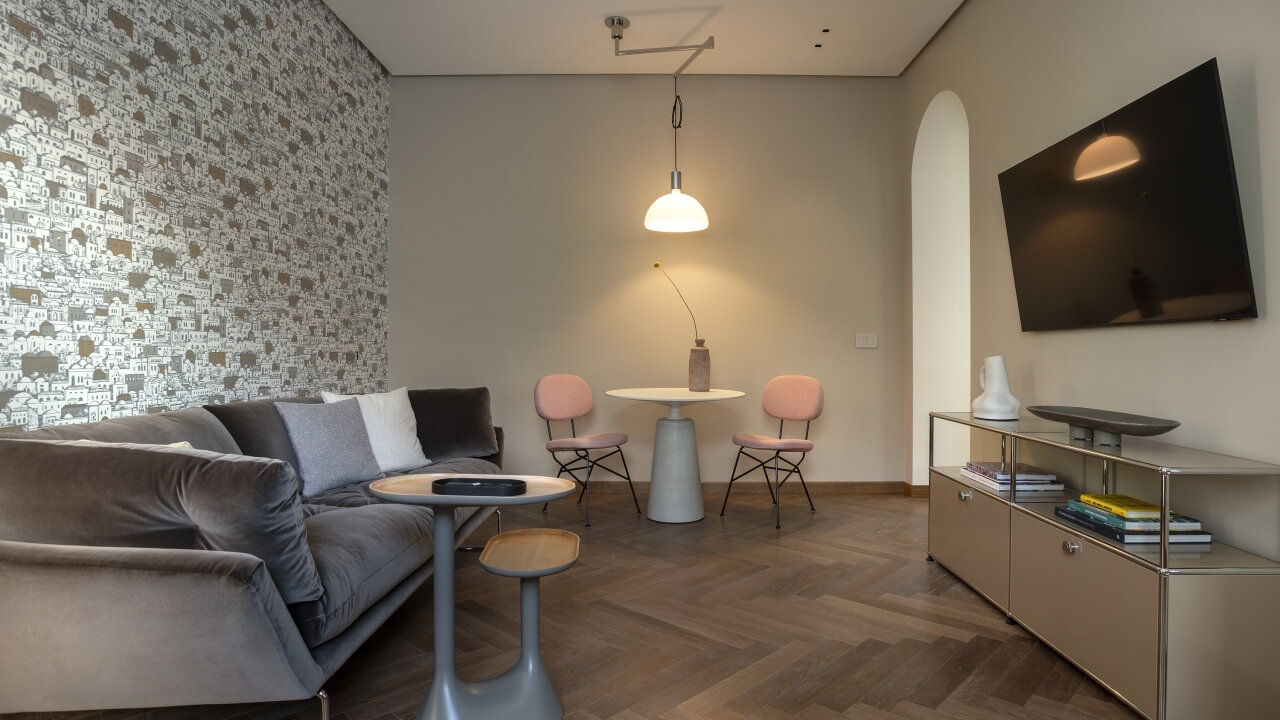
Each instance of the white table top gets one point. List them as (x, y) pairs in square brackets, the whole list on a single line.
[(674, 395), (416, 490)]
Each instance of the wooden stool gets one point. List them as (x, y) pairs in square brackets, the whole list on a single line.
[(529, 554)]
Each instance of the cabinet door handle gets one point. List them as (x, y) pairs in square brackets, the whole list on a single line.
[(1070, 547), (965, 495)]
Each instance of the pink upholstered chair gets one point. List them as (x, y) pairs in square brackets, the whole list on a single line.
[(568, 397), (786, 397)]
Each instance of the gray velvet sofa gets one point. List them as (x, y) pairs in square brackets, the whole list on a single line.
[(137, 575)]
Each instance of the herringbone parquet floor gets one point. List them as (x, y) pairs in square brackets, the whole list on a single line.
[(838, 615)]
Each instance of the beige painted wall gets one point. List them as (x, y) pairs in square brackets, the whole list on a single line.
[(517, 249), (1031, 73)]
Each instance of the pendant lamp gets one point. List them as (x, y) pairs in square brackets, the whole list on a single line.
[(676, 212)]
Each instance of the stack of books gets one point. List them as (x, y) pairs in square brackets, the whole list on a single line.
[(996, 476), (1129, 520)]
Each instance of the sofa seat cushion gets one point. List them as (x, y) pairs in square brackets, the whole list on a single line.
[(361, 553), (465, 465), (358, 494)]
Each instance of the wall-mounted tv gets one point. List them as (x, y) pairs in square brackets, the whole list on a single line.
[(1134, 219)]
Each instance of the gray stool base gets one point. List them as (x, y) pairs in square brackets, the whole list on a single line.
[(524, 691)]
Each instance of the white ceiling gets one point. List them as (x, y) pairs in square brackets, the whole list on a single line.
[(557, 37)]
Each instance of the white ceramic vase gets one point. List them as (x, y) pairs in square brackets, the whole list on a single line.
[(995, 402)]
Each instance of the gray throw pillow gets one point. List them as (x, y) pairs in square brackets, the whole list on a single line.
[(331, 442)]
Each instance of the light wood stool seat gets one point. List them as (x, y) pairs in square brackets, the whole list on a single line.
[(530, 554)]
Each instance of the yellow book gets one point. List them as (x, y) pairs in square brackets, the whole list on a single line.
[(1122, 505)]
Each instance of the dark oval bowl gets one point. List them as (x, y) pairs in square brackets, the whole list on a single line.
[(1107, 420)]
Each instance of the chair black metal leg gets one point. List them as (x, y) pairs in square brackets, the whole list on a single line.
[(559, 473), (634, 499), (733, 475), (806, 490), (583, 456), (764, 470), (586, 491), (777, 501)]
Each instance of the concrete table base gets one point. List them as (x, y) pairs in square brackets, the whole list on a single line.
[(675, 491)]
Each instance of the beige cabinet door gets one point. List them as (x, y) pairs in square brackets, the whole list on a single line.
[(1099, 609), (969, 534), (1224, 647)]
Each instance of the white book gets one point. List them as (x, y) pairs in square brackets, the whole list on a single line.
[(1003, 487)]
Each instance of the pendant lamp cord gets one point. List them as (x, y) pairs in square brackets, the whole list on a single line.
[(677, 119)]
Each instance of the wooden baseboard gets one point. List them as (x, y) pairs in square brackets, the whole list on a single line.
[(718, 487)]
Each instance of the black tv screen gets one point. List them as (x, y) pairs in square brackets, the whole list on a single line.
[(1150, 233)]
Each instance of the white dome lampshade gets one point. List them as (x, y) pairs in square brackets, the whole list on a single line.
[(676, 212), (1106, 155)]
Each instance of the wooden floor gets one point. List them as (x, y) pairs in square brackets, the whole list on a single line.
[(836, 615)]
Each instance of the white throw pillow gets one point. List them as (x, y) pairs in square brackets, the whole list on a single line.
[(391, 426)]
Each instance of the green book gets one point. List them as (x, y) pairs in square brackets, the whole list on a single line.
[(1176, 521)]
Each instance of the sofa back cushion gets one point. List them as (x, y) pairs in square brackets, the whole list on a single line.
[(258, 428), (129, 495), (194, 425), (454, 422)]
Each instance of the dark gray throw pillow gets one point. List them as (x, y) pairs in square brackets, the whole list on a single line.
[(454, 422), (78, 492), (331, 442)]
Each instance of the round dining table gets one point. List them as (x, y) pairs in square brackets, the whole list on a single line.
[(675, 484)]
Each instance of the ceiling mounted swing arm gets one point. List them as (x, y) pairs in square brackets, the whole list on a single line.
[(617, 23), (674, 212)]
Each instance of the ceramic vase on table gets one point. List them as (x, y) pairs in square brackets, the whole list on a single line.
[(699, 366), (996, 401)]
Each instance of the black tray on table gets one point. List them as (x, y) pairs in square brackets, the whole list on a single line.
[(492, 486)]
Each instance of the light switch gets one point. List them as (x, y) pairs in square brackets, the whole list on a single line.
[(866, 340)]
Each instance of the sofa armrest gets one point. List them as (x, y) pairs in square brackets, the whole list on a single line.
[(110, 627)]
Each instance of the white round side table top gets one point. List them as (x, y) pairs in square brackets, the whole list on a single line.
[(671, 394)]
